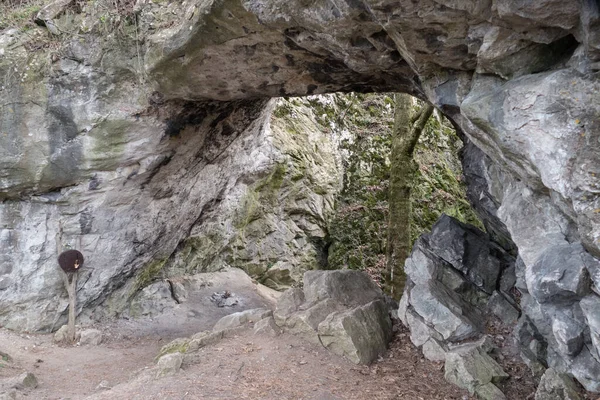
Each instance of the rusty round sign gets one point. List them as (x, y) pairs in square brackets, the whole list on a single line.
[(70, 260)]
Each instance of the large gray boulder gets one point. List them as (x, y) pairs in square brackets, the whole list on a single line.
[(360, 334), (342, 310), (346, 287)]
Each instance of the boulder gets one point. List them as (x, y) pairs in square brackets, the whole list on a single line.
[(60, 336), (590, 306), (287, 304), (169, 364), (342, 310), (360, 334), (91, 337), (240, 318), (152, 300), (266, 327), (556, 386), (349, 288), (305, 323), (471, 368), (443, 310)]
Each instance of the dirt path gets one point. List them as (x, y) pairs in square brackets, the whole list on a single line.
[(241, 367)]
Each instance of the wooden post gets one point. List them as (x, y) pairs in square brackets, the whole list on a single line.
[(70, 261), (71, 285)]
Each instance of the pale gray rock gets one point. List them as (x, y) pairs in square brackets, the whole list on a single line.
[(556, 386), (24, 381), (128, 154), (60, 336), (92, 337), (503, 309), (568, 333), (434, 350), (169, 364), (103, 385), (152, 300), (9, 395), (471, 368), (586, 369), (241, 318), (560, 274), (305, 323), (266, 327), (590, 306), (360, 334), (441, 309), (346, 287), (289, 302)]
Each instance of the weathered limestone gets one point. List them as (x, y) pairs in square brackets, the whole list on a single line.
[(240, 318), (555, 386), (92, 337), (169, 364), (342, 310), (124, 146), (471, 368)]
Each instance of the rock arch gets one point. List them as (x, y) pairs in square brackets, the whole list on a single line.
[(157, 115)]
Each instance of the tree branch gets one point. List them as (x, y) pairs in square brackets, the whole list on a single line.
[(418, 127)]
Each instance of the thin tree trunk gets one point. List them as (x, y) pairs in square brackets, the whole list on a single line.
[(405, 136)]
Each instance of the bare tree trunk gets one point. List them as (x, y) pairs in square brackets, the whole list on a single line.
[(405, 136)]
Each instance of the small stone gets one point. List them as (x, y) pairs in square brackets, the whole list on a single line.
[(9, 395), (103, 385), (92, 337), (169, 364), (240, 318), (266, 326)]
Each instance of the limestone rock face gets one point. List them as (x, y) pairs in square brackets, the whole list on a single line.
[(449, 275), (125, 144)]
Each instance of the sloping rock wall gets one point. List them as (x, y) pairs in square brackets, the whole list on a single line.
[(111, 140), (272, 222)]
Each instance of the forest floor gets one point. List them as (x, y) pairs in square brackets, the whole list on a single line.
[(245, 366)]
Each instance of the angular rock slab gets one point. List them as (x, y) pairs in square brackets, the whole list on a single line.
[(560, 273), (240, 318), (361, 334), (468, 250), (555, 386), (169, 364), (348, 287), (471, 368), (440, 309), (590, 306)]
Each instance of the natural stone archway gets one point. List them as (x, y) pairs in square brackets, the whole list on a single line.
[(121, 140)]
